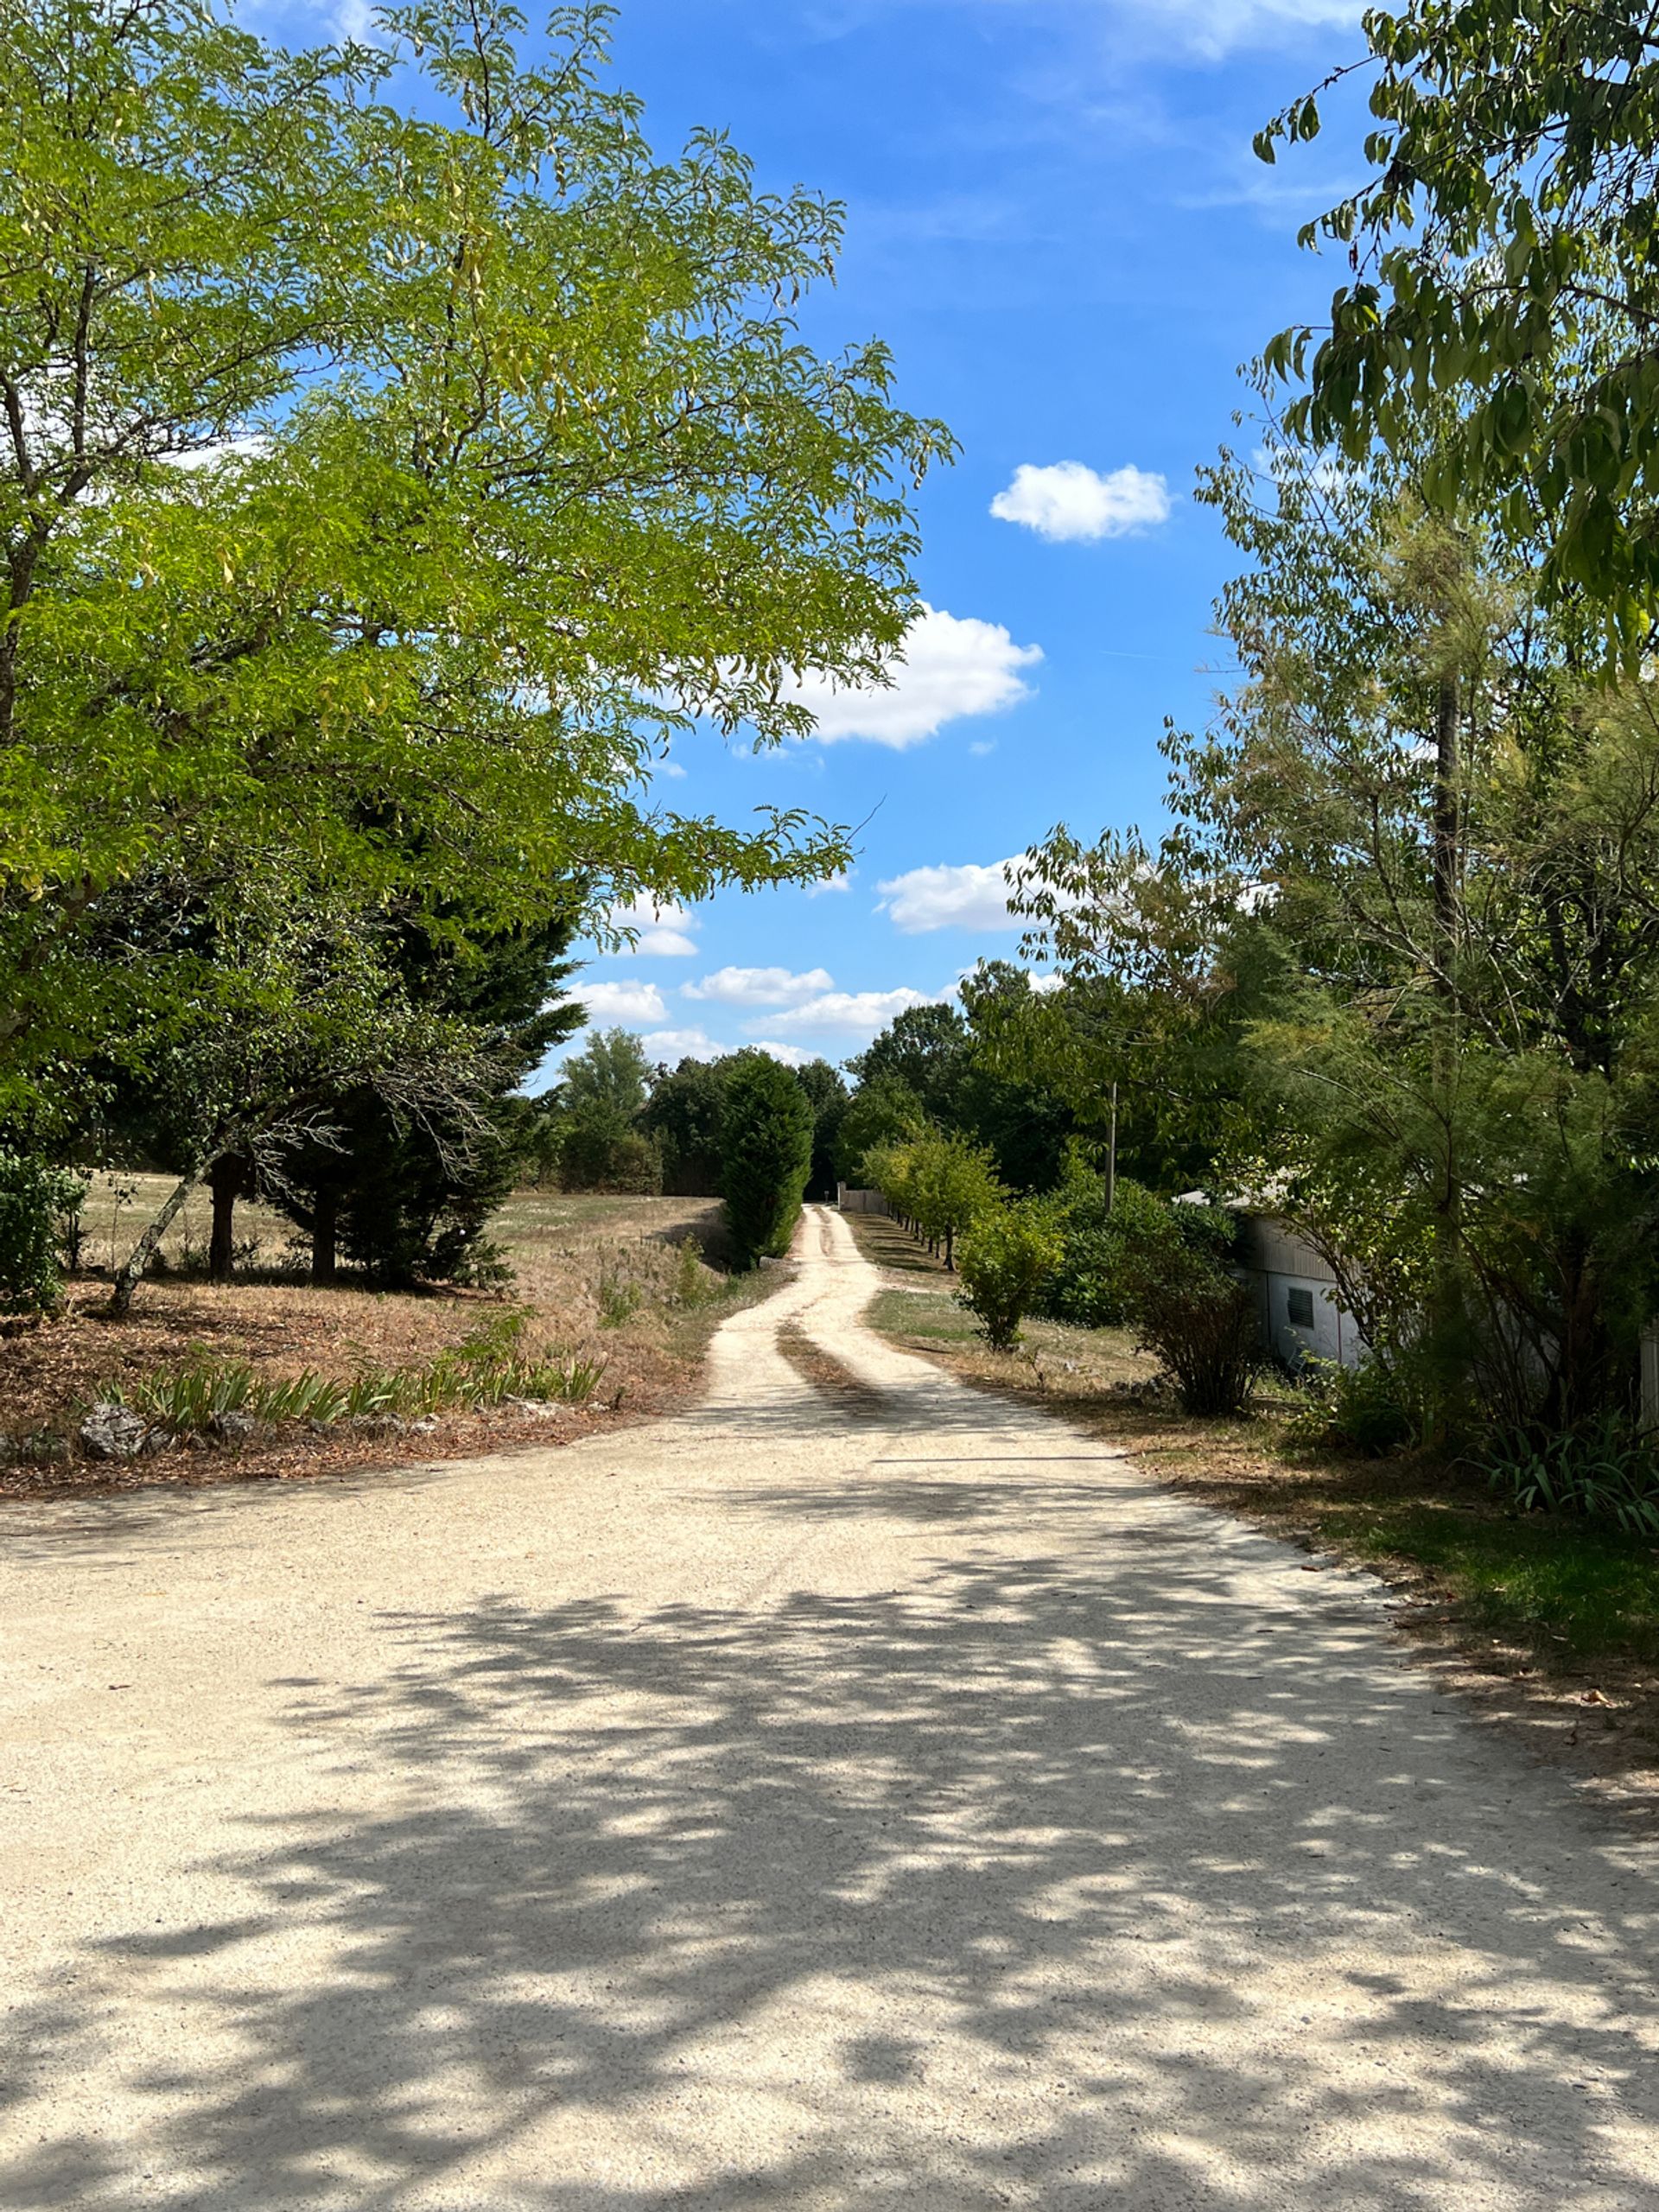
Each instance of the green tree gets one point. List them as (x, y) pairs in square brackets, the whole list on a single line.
[(949, 1181), (686, 1116), (1419, 856), (826, 1093), (952, 1064), (300, 1011), (510, 463), (767, 1136), (608, 1078), (601, 1103), (1503, 277), (925, 1050), (409, 1197), (881, 1111)]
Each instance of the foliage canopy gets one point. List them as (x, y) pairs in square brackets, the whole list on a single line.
[(385, 478)]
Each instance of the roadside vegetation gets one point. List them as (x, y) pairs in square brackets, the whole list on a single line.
[(615, 1120), (1551, 1625), (1388, 973), (326, 731), (611, 1303)]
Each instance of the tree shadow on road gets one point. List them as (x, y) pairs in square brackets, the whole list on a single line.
[(1042, 1882)]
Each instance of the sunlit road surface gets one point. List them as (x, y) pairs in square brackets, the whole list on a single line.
[(858, 1792)]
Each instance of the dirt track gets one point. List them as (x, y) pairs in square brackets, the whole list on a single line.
[(859, 1792)]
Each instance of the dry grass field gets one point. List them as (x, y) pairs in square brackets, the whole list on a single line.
[(601, 1282)]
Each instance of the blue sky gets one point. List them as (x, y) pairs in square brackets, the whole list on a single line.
[(1055, 219)]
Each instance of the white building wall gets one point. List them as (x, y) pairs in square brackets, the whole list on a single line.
[(1302, 1317), (1297, 1296)]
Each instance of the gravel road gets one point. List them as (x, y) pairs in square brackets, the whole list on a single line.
[(855, 1793)]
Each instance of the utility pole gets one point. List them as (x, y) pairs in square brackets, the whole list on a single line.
[(1111, 1160)]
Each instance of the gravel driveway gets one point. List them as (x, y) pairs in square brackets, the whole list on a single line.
[(857, 1792)]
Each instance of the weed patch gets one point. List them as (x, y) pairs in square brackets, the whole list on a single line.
[(491, 1367)]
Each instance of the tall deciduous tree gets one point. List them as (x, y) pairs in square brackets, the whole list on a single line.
[(883, 1111), (925, 1050), (1421, 856), (1502, 256), (380, 491), (685, 1114)]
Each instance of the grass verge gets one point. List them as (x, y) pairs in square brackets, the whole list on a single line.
[(1550, 1625)]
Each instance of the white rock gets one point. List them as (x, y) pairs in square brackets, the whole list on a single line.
[(114, 1431)]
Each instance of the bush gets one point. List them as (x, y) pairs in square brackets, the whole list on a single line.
[(689, 1284), (1357, 1409), (600, 1155), (1192, 1309), (1603, 1471), (1086, 1287), (1005, 1253), (32, 1197), (766, 1156)]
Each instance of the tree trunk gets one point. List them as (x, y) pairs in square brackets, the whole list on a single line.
[(325, 1223), (1111, 1161), (145, 1250), (227, 1179), (1448, 1222), (1448, 728)]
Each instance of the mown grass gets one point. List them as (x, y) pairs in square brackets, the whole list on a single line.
[(1532, 1578), (1560, 1591)]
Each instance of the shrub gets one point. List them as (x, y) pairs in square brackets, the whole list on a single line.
[(602, 1154), (488, 1367), (1357, 1409), (1086, 1287), (688, 1272), (1603, 1471), (766, 1156), (1005, 1252), (32, 1198), (618, 1298), (1191, 1308)]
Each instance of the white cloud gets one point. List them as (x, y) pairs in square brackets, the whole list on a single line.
[(966, 898), (843, 882), (1067, 500), (194, 459), (1045, 980), (626, 1003), (759, 986), (355, 20), (1217, 27), (676, 1045), (670, 768), (793, 1056), (950, 666), (983, 748), (663, 928), (863, 1011)]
